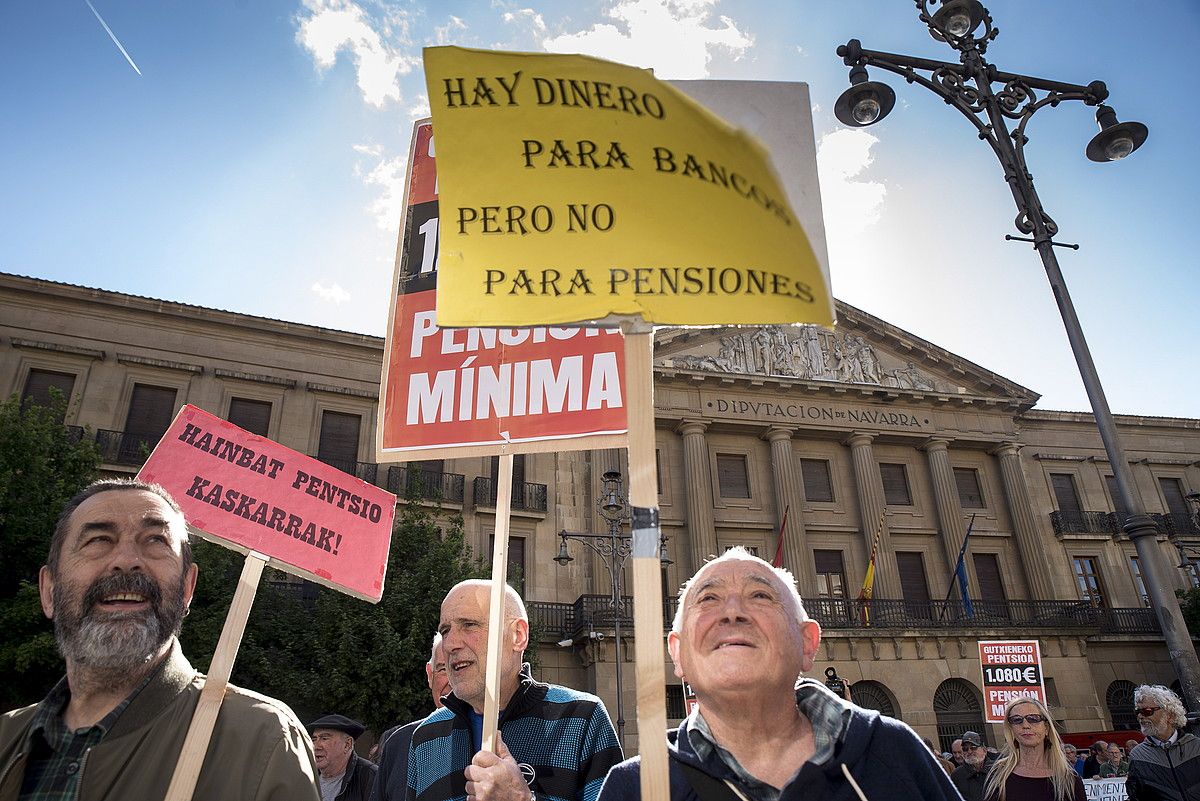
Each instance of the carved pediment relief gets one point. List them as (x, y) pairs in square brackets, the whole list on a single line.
[(862, 350)]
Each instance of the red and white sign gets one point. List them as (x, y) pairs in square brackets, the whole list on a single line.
[(248, 493), (1011, 669), (543, 388)]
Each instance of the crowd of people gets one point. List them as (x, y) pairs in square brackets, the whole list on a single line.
[(120, 576)]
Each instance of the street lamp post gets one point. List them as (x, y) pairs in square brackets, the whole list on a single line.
[(613, 549), (969, 86)]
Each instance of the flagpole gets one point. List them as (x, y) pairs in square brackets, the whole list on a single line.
[(962, 552), (778, 560)]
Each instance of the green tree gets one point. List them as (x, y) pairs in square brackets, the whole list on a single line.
[(42, 464), (1189, 604)]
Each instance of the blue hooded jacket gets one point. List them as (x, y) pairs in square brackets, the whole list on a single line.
[(886, 758)]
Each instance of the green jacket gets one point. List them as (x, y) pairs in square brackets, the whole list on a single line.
[(259, 751)]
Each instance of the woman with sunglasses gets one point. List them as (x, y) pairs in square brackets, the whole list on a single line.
[(1032, 766)]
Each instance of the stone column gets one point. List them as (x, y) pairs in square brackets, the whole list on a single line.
[(1029, 546), (871, 504), (945, 496), (698, 480), (789, 498)]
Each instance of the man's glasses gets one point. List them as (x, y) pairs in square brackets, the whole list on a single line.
[(1016, 720), (1146, 711)]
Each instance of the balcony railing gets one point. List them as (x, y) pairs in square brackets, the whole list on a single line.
[(406, 481), (1084, 523), (560, 620), (1176, 524), (367, 471), (121, 447), (526, 497)]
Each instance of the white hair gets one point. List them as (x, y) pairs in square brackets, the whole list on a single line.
[(437, 640), (739, 553), (1164, 697)]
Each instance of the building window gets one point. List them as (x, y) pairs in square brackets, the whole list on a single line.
[(339, 440), (39, 383), (1119, 700), (1110, 482), (818, 487), (1136, 568), (252, 415), (676, 710), (733, 480), (895, 485), (150, 413), (1065, 494), (1193, 571), (516, 561), (831, 574), (873, 695), (1087, 580), (970, 495), (658, 469), (913, 584), (958, 707), (987, 571), (518, 474), (750, 549)]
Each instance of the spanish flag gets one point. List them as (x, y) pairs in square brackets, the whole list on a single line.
[(868, 586)]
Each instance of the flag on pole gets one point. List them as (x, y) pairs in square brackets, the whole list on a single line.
[(960, 572), (868, 586), (778, 560)]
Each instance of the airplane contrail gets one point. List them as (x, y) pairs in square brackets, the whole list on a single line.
[(113, 36)]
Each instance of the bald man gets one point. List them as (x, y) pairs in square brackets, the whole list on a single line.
[(554, 742)]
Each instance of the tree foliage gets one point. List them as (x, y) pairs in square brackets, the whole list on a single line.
[(42, 464), (321, 651), (1189, 604)]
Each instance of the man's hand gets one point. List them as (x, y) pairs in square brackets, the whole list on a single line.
[(496, 777)]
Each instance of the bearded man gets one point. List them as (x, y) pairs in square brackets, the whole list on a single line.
[(117, 583), (1166, 765)]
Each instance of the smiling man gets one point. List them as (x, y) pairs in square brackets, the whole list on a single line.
[(742, 639), (117, 583), (554, 743)]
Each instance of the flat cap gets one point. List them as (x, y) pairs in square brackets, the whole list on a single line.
[(338, 723), (972, 737)]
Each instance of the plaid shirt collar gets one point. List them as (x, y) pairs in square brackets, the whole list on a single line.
[(828, 715)]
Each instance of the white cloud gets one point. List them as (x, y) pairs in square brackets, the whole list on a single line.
[(387, 174), (332, 293), (376, 45), (674, 37), (851, 203), (526, 17), (445, 34)]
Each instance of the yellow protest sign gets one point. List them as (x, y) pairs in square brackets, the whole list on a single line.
[(573, 189)]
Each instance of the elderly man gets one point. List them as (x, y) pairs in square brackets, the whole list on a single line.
[(553, 743), (117, 583), (971, 776), (1117, 764), (1097, 757), (741, 638), (391, 781), (1166, 765), (1073, 759), (956, 752), (345, 776)]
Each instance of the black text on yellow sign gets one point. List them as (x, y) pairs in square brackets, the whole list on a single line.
[(573, 188)]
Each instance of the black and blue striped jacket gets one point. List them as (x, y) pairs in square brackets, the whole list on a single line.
[(564, 735)]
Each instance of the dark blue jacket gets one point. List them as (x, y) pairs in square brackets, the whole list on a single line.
[(1165, 772), (884, 756)]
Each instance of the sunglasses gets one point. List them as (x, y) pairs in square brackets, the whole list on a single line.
[(1146, 711), (1033, 720), (970, 746)]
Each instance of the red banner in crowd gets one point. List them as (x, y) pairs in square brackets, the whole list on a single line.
[(249, 493), (1011, 669), (544, 388)]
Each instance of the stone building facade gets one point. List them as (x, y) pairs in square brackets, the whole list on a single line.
[(831, 430)]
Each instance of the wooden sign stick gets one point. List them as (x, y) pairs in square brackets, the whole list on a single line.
[(195, 745), (647, 577), (491, 701)]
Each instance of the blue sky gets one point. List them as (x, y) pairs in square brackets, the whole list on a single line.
[(255, 163)]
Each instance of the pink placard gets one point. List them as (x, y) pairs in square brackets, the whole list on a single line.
[(249, 493)]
